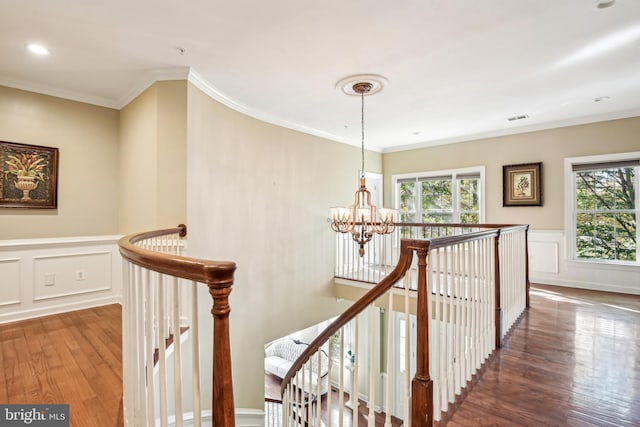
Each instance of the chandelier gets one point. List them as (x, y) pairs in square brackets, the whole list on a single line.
[(362, 219)]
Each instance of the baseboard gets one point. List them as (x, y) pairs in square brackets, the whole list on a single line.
[(606, 287), (249, 417), (244, 418)]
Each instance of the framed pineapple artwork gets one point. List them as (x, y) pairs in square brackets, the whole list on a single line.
[(29, 176), (521, 184)]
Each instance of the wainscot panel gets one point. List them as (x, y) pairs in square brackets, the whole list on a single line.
[(39, 277), (549, 265), (9, 276)]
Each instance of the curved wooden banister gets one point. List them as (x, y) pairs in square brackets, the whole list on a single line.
[(218, 276), (406, 256), (204, 271)]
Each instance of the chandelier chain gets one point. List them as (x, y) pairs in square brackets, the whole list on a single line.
[(362, 127)]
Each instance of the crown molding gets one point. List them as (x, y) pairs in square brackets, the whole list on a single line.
[(576, 121), (189, 74), (144, 82), (209, 89), (148, 79), (57, 92)]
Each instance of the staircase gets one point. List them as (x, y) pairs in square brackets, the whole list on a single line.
[(465, 290)]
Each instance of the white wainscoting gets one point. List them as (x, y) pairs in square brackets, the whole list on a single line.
[(548, 264), (39, 277)]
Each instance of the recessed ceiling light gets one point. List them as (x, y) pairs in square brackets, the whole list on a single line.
[(604, 4), (38, 49), (601, 99), (416, 132)]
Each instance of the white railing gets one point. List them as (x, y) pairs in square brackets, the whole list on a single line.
[(153, 318), (473, 290), (161, 332), (513, 255), (382, 252), (461, 304)]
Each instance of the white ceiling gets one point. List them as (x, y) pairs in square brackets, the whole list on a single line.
[(457, 69)]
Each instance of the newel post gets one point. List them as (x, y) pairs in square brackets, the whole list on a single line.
[(422, 385), (496, 273), (223, 409)]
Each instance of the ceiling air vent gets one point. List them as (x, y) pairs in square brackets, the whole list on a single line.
[(520, 117)]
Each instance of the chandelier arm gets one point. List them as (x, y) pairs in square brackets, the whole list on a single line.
[(361, 238)]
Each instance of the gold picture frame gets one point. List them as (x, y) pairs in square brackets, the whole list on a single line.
[(522, 184), (28, 176)]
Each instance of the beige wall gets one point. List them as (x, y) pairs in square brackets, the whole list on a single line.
[(87, 137), (259, 195), (153, 158), (548, 146)]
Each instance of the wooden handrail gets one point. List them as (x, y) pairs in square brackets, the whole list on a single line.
[(441, 242), (453, 225), (406, 255), (218, 276), (198, 270)]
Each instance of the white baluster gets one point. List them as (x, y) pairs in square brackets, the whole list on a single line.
[(162, 368), (408, 280), (330, 352), (354, 386), (390, 353), (177, 354), (436, 333), (195, 356), (341, 381), (140, 357), (458, 322), (148, 334), (319, 389), (372, 366)]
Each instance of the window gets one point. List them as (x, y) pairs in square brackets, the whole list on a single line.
[(441, 197), (604, 207)]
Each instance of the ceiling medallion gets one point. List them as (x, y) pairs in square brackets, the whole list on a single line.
[(377, 82)]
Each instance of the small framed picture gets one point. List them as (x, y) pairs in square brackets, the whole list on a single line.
[(522, 184), (28, 176)]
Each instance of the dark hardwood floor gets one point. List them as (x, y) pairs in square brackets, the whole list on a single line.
[(73, 358), (573, 360)]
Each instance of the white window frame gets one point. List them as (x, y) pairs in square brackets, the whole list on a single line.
[(570, 208), (455, 190)]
